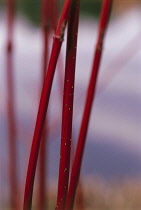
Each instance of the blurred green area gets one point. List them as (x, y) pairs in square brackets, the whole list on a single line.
[(91, 7), (31, 8)]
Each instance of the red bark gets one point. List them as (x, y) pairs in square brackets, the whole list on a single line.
[(45, 21), (67, 111), (105, 14), (44, 100)]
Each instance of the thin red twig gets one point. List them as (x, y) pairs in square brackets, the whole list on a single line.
[(45, 20), (10, 108), (68, 105), (57, 43), (105, 13)]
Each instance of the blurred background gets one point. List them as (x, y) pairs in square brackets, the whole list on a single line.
[(111, 169)]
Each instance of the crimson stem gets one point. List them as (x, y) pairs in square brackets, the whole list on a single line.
[(67, 111), (105, 14), (45, 21), (43, 105)]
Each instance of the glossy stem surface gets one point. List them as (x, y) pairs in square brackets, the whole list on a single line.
[(43, 105), (67, 111), (45, 20), (105, 13)]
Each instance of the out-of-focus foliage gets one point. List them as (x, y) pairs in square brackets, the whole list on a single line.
[(91, 7), (1, 3), (32, 8)]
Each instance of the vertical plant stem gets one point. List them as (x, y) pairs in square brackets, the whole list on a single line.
[(42, 171), (45, 13), (45, 95), (67, 111), (105, 14), (10, 108)]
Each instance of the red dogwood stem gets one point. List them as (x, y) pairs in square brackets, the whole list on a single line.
[(105, 14), (10, 108), (45, 95), (67, 111), (42, 171), (45, 21)]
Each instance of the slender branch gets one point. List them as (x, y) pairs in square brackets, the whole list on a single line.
[(68, 105), (45, 20), (57, 43), (105, 13), (42, 171), (10, 107)]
